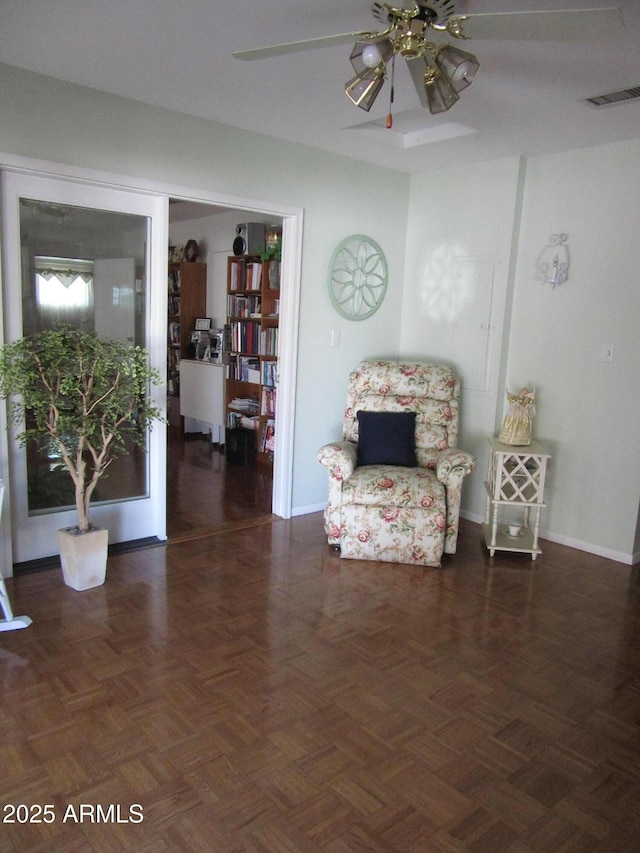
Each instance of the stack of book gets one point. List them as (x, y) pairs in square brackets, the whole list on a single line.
[(236, 421), (246, 405), (244, 367)]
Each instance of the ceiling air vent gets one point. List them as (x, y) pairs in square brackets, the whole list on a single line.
[(614, 97)]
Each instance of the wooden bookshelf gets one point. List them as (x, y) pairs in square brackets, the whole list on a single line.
[(251, 349), (187, 299)]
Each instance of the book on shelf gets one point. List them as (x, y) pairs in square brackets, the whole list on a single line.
[(243, 367), (253, 275), (174, 333), (270, 373), (274, 274), (174, 281), (236, 420), (268, 438), (244, 306), (269, 341), (244, 336), (268, 402), (173, 307), (246, 405), (245, 274)]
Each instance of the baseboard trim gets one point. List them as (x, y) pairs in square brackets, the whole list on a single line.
[(53, 562), (578, 544), (307, 510)]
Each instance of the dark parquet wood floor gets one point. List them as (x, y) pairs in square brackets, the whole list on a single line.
[(251, 691), (205, 495)]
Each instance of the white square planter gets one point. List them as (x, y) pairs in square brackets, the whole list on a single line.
[(83, 557)]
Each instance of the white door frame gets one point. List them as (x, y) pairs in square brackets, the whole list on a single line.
[(292, 219), (35, 536)]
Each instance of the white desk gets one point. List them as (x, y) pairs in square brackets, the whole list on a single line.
[(202, 394)]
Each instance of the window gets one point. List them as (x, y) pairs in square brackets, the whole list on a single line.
[(64, 291)]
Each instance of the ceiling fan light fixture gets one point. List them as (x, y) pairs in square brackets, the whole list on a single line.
[(370, 54), (439, 73), (363, 89), (441, 95), (458, 66)]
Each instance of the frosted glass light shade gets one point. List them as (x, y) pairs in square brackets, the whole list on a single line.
[(458, 66), (441, 95), (363, 89)]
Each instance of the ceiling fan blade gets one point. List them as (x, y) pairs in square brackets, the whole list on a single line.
[(296, 46), (552, 25), (416, 69)]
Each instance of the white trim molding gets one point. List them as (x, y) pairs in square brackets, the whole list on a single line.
[(577, 544)]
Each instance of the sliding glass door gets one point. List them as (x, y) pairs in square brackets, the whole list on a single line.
[(94, 258)]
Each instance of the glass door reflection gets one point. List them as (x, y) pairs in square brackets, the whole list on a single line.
[(87, 268)]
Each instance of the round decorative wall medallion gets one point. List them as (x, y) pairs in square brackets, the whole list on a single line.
[(357, 277)]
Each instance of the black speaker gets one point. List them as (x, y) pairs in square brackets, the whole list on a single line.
[(250, 239)]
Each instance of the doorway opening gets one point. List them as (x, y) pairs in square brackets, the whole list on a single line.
[(209, 489), (22, 177)]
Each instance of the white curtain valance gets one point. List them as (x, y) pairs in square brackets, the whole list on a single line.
[(66, 270)]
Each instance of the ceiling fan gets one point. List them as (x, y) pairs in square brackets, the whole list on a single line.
[(439, 70)]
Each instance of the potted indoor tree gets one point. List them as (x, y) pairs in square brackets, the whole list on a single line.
[(85, 400)]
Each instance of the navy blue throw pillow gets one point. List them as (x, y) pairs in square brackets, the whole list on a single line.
[(387, 438)]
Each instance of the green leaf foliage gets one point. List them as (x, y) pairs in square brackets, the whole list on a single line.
[(88, 397)]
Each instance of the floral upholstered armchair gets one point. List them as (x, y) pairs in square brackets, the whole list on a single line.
[(395, 480)]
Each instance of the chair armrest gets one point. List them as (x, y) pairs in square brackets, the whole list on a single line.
[(452, 466), (339, 458), (454, 461)]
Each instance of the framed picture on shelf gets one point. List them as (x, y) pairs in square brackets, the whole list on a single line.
[(202, 324)]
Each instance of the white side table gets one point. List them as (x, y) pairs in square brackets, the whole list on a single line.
[(515, 478)]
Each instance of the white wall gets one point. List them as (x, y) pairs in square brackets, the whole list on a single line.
[(55, 121), (551, 339), (466, 213), (588, 410)]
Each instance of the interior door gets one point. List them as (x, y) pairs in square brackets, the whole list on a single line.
[(96, 258), (114, 307)]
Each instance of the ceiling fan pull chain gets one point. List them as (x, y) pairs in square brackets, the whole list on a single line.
[(391, 93)]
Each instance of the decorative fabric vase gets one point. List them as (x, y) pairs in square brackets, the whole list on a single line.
[(516, 429)]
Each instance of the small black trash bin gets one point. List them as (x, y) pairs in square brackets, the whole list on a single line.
[(240, 446)]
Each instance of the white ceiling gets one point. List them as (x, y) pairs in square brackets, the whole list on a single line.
[(526, 99)]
